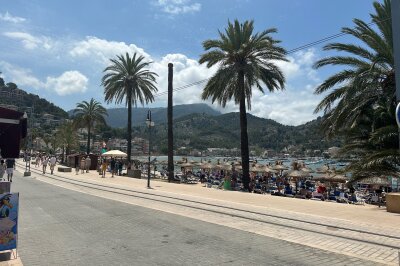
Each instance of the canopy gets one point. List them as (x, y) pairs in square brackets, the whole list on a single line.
[(297, 173), (13, 128), (114, 153)]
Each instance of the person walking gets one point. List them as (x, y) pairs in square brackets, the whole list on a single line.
[(112, 165), (45, 161), (83, 165), (88, 163), (76, 165), (37, 161), (103, 168), (53, 162), (10, 164), (120, 165), (2, 169)]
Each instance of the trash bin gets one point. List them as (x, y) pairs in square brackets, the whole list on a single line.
[(227, 184)]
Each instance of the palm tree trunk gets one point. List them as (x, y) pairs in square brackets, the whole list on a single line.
[(129, 100), (88, 140), (244, 139)]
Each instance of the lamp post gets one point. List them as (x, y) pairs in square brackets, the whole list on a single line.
[(150, 124)]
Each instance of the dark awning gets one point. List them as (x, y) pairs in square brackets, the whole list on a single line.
[(13, 128)]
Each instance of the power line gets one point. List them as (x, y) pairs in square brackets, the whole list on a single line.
[(305, 46), (328, 38)]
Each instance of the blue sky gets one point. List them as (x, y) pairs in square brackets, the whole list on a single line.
[(58, 49)]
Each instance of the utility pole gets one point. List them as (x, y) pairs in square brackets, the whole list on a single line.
[(150, 124), (396, 43), (170, 131), (30, 144)]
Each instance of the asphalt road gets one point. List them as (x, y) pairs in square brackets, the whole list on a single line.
[(62, 227)]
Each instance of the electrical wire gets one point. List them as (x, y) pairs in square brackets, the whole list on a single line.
[(297, 49)]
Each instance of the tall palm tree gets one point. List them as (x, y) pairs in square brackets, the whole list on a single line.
[(87, 114), (128, 78), (245, 61), (361, 98)]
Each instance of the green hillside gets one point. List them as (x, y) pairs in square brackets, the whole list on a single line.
[(13, 97), (202, 131)]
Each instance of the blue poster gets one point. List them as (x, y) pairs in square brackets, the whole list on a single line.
[(8, 220)]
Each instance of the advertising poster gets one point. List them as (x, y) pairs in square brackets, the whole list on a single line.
[(8, 220)]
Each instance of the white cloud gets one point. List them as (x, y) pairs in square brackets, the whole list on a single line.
[(29, 41), (9, 18), (293, 106), (21, 76), (102, 50), (176, 7), (69, 82)]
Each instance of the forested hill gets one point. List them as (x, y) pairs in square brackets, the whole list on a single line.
[(118, 117), (201, 131), (13, 97)]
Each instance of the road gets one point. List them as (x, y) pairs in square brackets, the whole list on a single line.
[(64, 227)]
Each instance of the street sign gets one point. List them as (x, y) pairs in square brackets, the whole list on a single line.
[(398, 114)]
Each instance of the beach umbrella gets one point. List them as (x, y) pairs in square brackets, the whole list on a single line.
[(297, 174), (206, 165), (325, 169), (306, 170), (279, 167), (114, 153), (380, 181), (187, 165)]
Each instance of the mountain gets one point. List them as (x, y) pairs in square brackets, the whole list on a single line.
[(118, 117), (202, 131)]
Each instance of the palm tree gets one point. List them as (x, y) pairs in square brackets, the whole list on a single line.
[(128, 79), (68, 137), (87, 114), (361, 99), (245, 61)]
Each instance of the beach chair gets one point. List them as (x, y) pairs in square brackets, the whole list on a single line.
[(342, 198), (359, 200)]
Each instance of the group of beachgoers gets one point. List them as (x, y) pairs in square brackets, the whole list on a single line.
[(44, 160), (84, 164)]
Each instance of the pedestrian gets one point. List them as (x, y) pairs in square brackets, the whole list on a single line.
[(103, 168), (10, 164), (45, 161), (76, 165), (112, 165), (37, 161), (83, 165), (53, 161), (120, 165), (88, 163), (2, 169)]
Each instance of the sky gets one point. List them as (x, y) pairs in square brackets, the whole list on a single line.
[(59, 49)]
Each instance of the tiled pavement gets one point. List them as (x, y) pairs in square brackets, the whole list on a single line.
[(330, 216)]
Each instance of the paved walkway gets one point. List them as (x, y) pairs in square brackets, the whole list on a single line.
[(359, 214), (319, 218), (63, 227)]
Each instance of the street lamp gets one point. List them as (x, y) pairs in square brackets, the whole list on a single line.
[(150, 124)]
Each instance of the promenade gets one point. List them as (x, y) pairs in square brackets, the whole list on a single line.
[(315, 224), (358, 214)]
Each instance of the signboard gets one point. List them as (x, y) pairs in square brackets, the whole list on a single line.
[(398, 114), (9, 203)]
